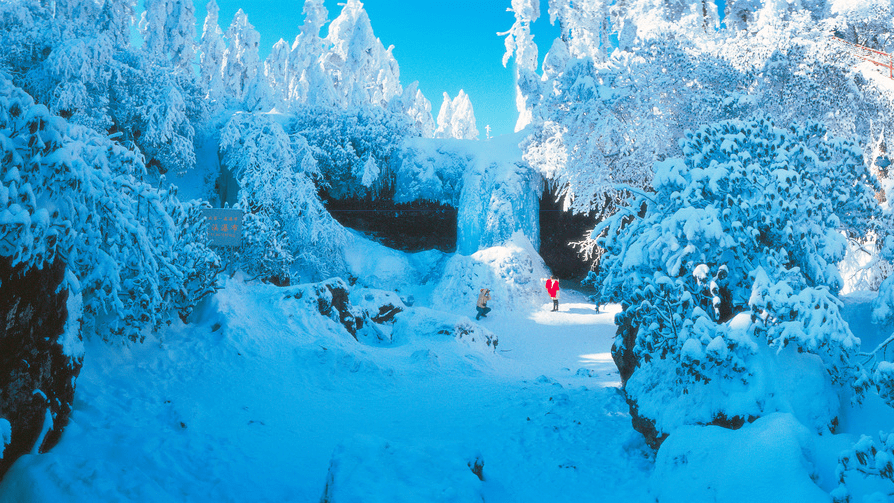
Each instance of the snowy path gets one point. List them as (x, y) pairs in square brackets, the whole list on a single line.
[(247, 406)]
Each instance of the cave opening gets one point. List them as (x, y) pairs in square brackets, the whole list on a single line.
[(558, 230), (410, 227)]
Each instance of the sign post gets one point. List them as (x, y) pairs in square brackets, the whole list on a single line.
[(224, 226)]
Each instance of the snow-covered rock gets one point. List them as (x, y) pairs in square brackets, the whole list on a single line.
[(37, 370), (423, 323), (369, 470), (770, 460)]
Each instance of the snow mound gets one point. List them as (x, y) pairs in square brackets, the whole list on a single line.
[(423, 323), (377, 266), (52, 477), (766, 461), (368, 469), (513, 272)]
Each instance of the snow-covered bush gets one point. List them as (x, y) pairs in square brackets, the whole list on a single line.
[(200, 265), (871, 460), (354, 149), (285, 219), (69, 193), (745, 227), (709, 463), (77, 59)]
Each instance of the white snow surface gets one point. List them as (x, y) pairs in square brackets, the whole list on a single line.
[(260, 398)]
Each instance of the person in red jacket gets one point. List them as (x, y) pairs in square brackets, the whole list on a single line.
[(552, 287)]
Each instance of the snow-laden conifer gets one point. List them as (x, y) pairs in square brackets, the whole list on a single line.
[(308, 82), (456, 118), (520, 41), (276, 70), (240, 64), (363, 70), (418, 108), (212, 48), (585, 26), (342, 142), (168, 30)]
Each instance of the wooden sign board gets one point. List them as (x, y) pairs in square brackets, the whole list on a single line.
[(224, 226)]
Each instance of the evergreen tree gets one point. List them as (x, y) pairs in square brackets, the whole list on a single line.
[(212, 50), (276, 70), (168, 29), (456, 119), (308, 81), (240, 59), (520, 41), (363, 71), (415, 105), (70, 193), (735, 252)]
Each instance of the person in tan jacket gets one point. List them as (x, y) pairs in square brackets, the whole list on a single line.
[(483, 297)]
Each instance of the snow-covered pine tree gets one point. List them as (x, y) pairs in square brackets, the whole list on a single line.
[(363, 70), (162, 116), (74, 80), (415, 105), (456, 118), (585, 26), (309, 84), (733, 259), (116, 19), (343, 141), (867, 23), (603, 121), (212, 48), (276, 70), (240, 64), (520, 41), (168, 30)]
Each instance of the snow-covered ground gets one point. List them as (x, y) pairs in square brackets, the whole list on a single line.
[(260, 400)]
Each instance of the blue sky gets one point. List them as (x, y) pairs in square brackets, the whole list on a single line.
[(446, 45)]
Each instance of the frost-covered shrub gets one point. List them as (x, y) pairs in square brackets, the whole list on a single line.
[(76, 58), (871, 460), (747, 223), (354, 149), (285, 220), (200, 265), (768, 461), (67, 192)]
